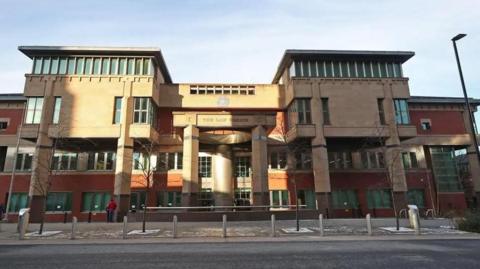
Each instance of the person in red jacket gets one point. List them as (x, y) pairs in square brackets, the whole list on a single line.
[(111, 207)]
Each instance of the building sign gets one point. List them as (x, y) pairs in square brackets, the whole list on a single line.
[(225, 120)]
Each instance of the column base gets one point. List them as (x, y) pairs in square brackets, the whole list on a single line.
[(261, 199), (324, 203), (37, 206), (189, 199), (400, 200), (123, 205)]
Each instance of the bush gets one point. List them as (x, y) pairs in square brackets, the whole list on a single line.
[(471, 222)]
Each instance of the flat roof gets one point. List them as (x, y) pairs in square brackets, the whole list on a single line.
[(12, 97), (441, 100), (344, 55), (32, 51)]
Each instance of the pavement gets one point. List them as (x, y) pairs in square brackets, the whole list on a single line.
[(334, 229), (438, 254)]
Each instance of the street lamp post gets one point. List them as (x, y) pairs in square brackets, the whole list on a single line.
[(470, 115)]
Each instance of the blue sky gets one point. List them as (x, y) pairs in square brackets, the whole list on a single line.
[(243, 41)]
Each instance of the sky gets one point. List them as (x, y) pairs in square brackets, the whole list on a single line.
[(243, 41)]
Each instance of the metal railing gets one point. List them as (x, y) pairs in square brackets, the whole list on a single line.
[(269, 207)]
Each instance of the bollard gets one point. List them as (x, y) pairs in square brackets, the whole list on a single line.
[(320, 224), (224, 219), (125, 227), (74, 228), (273, 225), (175, 221), (21, 231), (65, 216), (89, 216), (369, 225)]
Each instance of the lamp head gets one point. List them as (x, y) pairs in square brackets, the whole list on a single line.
[(458, 37)]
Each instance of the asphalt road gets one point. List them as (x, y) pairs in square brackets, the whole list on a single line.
[(337, 254)]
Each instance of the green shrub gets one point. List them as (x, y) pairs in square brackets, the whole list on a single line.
[(470, 223)]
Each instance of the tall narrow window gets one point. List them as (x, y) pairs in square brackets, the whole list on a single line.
[(321, 69), (329, 69), (46, 66), (96, 66), (144, 110), (138, 66), (62, 68), (114, 66), (401, 111), (105, 66), (205, 166), (409, 160), (24, 162), (71, 66), (130, 66), (397, 70), (368, 69), (54, 67), (303, 110), (325, 111), (117, 113), (360, 69), (146, 67), (34, 110), (37, 65), (80, 63), (88, 66), (381, 112), (122, 66), (56, 110)]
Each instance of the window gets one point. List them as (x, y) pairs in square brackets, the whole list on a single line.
[(303, 160), (445, 169), (95, 201), (243, 194), (18, 200), (325, 110), (138, 66), (426, 124), (56, 110), (96, 66), (105, 66), (360, 69), (114, 66), (368, 69), (170, 161), (80, 65), (307, 198), (344, 69), (71, 66), (37, 65), (401, 111), (409, 160), (130, 66), (3, 157), (141, 161), (205, 166), (278, 160), (46, 66), (169, 198), (24, 162), (381, 111), (3, 125), (242, 166), (279, 198), (345, 199), (146, 67), (54, 68), (340, 160), (372, 160), (336, 69), (416, 197), (144, 110), (34, 110), (64, 161), (117, 113), (299, 112), (397, 70), (88, 66), (137, 200), (59, 201), (376, 70), (379, 199), (62, 68), (101, 160)]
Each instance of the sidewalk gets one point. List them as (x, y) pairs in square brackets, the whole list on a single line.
[(161, 232)]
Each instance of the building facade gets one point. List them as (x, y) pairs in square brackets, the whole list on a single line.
[(336, 131)]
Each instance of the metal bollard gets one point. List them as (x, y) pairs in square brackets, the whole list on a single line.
[(224, 219), (175, 221), (125, 227), (320, 224), (273, 225), (369, 225), (74, 228)]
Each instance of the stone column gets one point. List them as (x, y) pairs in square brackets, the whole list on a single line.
[(223, 185), (43, 154), (321, 172), (124, 160), (259, 167), (190, 166)]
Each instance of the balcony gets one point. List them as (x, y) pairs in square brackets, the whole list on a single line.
[(301, 131), (407, 130)]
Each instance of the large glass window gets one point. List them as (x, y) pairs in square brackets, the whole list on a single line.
[(409, 160), (401, 111), (372, 160), (95, 201), (299, 111), (325, 111), (445, 169), (18, 200), (340, 160), (101, 160), (306, 198), (56, 110), (278, 160), (379, 198), (205, 166), (117, 113), (34, 110), (345, 199), (303, 160), (381, 111), (416, 197), (279, 198), (242, 166), (170, 161), (59, 201), (24, 162), (141, 161), (169, 198), (64, 161)]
